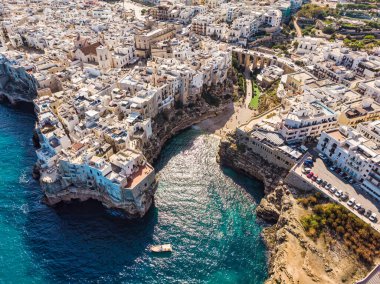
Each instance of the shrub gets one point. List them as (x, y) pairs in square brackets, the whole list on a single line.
[(328, 30), (355, 234)]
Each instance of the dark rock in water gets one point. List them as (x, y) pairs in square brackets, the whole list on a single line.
[(15, 83), (36, 140), (36, 172)]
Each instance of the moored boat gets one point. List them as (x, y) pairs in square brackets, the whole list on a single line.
[(162, 248)]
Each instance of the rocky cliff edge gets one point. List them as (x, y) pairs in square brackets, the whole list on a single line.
[(292, 256)]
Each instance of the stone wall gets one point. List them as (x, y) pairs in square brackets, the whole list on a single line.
[(294, 180)]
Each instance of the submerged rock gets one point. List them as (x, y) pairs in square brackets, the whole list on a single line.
[(16, 84)]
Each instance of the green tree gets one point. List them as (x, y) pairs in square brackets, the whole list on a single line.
[(328, 30)]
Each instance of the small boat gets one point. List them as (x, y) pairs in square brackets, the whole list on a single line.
[(161, 248)]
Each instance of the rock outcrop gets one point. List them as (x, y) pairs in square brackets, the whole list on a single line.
[(293, 257), (15, 83)]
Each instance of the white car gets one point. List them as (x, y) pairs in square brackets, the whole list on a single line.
[(373, 217), (351, 202), (333, 189), (357, 206), (306, 170), (338, 193)]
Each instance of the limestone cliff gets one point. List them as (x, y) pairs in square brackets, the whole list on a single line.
[(15, 83), (293, 257), (168, 124)]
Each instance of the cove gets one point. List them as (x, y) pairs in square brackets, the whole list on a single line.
[(206, 212)]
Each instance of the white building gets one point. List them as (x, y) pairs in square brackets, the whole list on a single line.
[(371, 88), (355, 154), (307, 119)]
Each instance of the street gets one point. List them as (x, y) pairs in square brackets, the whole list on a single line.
[(335, 180)]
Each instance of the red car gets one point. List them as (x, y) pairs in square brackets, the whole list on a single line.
[(314, 177), (310, 175)]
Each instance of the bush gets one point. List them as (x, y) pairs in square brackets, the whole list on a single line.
[(369, 37), (357, 235), (312, 11), (269, 99), (235, 62), (328, 30)]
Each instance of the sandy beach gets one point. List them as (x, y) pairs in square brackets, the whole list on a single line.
[(236, 114)]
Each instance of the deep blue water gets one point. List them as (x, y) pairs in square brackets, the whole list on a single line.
[(205, 212)]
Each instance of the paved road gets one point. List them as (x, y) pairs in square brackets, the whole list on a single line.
[(248, 95), (353, 191)]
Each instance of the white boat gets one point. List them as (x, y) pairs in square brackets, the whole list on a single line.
[(161, 248)]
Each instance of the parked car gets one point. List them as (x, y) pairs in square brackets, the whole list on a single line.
[(310, 175), (308, 164), (324, 183), (338, 193), (347, 178), (309, 160), (373, 217), (342, 174), (351, 181), (328, 186), (333, 189), (332, 168), (319, 180), (314, 177), (368, 213), (344, 196), (351, 202), (357, 206), (338, 170), (361, 210), (306, 170)]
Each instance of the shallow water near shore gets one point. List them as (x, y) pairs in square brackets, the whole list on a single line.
[(204, 211)]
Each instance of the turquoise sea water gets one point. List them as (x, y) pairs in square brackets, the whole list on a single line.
[(205, 212)]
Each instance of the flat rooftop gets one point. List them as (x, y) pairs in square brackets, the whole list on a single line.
[(337, 135), (139, 176)]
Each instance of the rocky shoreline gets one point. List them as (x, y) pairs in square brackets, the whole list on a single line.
[(292, 256)]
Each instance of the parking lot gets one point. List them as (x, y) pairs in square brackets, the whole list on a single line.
[(354, 190)]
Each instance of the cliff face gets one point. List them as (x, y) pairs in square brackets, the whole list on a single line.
[(293, 257), (15, 83), (173, 122), (164, 127)]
